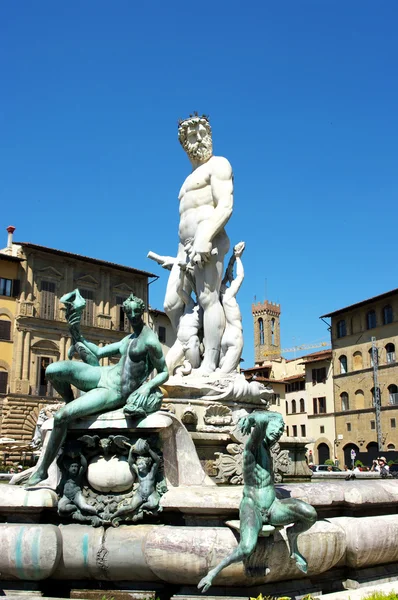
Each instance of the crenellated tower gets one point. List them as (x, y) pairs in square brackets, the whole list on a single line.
[(267, 341)]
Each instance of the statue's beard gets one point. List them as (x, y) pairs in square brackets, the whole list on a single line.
[(200, 151)]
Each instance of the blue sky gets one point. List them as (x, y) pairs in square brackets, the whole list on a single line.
[(302, 97)]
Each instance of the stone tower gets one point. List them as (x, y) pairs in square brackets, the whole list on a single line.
[(267, 341)]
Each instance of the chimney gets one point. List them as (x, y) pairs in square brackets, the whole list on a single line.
[(10, 230)]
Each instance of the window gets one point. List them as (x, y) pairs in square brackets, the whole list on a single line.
[(5, 287), (287, 430), (302, 405), (390, 353), (378, 396), (44, 388), (373, 424), (359, 399), (341, 329), (5, 329), (319, 405), (391, 447), (388, 316), (3, 382), (343, 363), (302, 428), (162, 334), (319, 375), (373, 356), (322, 429), (294, 430), (294, 407), (393, 424), (371, 319), (357, 361), (273, 331), (287, 407), (393, 394), (123, 324), (88, 312), (348, 426), (345, 405), (47, 300), (261, 330), (275, 399)]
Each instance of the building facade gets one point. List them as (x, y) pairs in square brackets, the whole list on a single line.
[(39, 332), (352, 331)]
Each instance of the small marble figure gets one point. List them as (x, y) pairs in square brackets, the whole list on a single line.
[(232, 339), (107, 388), (259, 505)]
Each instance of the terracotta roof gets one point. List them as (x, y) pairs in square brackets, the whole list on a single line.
[(292, 377), (308, 357), (362, 303), (258, 367), (85, 258), (156, 311)]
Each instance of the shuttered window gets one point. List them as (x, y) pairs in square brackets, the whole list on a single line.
[(47, 300), (3, 382), (88, 313), (124, 324), (5, 329)]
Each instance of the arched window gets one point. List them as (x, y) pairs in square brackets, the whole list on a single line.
[(393, 394), (3, 381), (343, 363), (357, 361), (373, 395), (273, 331), (388, 316), (371, 319), (302, 405), (287, 407), (373, 451), (323, 453), (373, 355), (345, 404), (391, 447), (390, 353), (294, 407), (261, 330), (341, 329), (359, 400)]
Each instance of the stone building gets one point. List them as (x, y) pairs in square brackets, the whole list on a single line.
[(33, 317), (304, 385), (352, 330)]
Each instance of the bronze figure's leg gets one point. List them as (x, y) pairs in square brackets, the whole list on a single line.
[(303, 515), (65, 373), (95, 401), (250, 526)]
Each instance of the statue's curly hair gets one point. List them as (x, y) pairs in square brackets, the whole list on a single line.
[(132, 298)]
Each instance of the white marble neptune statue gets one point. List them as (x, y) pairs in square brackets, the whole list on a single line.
[(206, 200)]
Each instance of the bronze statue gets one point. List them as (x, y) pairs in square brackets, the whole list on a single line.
[(259, 505)]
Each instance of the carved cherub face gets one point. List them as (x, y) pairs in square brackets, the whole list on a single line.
[(275, 429), (143, 464), (195, 137), (73, 469)]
